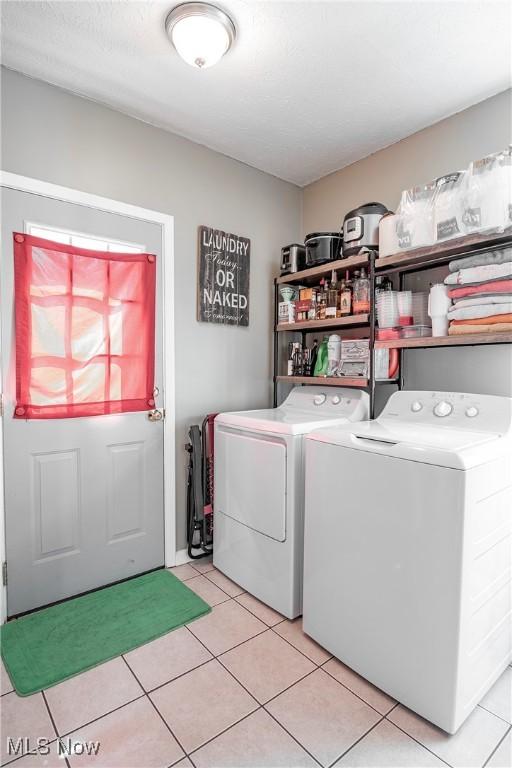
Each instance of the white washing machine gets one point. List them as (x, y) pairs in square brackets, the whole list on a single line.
[(408, 558), (259, 490)]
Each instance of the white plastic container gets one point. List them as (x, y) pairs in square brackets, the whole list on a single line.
[(387, 309), (388, 238), (405, 303), (420, 308), (438, 305)]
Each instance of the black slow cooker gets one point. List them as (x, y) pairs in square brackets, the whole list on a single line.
[(322, 247)]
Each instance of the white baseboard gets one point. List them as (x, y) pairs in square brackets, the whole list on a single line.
[(182, 557)]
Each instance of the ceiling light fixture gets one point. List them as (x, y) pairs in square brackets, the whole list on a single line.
[(200, 32)]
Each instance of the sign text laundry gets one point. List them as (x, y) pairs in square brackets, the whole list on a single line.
[(223, 289)]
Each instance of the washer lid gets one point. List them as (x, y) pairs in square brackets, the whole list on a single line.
[(442, 446)]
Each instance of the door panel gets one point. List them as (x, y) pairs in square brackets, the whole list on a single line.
[(55, 497), (126, 491), (83, 496)]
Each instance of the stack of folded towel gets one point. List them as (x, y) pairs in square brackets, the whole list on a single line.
[(481, 288)]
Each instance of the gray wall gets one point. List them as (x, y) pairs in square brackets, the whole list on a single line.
[(53, 135), (446, 146), (56, 136)]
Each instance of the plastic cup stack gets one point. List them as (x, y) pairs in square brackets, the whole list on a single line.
[(387, 309)]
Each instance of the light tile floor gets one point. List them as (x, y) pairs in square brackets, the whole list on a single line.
[(240, 687)]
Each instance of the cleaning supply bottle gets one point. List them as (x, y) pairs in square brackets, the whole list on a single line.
[(322, 360)]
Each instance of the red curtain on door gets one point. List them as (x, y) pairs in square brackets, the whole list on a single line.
[(85, 330)]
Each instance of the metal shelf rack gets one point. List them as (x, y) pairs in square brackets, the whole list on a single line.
[(416, 260)]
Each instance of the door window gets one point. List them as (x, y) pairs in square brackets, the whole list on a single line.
[(85, 325)]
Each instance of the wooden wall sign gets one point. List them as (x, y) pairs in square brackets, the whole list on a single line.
[(223, 280)]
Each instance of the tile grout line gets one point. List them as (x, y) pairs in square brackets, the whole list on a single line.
[(54, 725), (228, 597), (229, 671), (182, 674), (164, 721), (365, 734), (417, 740), (157, 710), (270, 626), (495, 715), (95, 719), (498, 745), (298, 649), (215, 656), (385, 714), (221, 733), (317, 761), (223, 590)]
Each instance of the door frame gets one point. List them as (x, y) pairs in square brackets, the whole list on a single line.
[(68, 195)]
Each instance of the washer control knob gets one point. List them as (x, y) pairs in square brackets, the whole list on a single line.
[(471, 411), (336, 400), (443, 408), (416, 406), (319, 399)]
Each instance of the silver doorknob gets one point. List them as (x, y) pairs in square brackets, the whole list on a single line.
[(155, 415)]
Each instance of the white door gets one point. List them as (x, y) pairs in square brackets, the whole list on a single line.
[(83, 496)]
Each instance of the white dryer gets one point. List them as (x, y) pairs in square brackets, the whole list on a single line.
[(408, 559), (259, 490)]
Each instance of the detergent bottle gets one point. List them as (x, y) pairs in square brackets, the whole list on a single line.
[(322, 359)]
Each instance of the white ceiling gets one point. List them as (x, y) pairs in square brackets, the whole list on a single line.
[(309, 87)]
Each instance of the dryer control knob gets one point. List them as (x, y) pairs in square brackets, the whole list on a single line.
[(471, 411), (319, 399), (416, 406), (336, 400), (443, 408)]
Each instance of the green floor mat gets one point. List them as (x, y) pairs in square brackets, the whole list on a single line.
[(48, 646)]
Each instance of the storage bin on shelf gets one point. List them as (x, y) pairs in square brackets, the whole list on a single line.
[(477, 200)]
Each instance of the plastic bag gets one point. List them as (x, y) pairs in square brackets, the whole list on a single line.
[(484, 196), (415, 227), (448, 206)]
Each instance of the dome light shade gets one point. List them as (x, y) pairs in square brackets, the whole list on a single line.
[(200, 32)]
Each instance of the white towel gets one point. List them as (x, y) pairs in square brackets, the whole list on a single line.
[(479, 259), (471, 313), (479, 274), (474, 301)]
